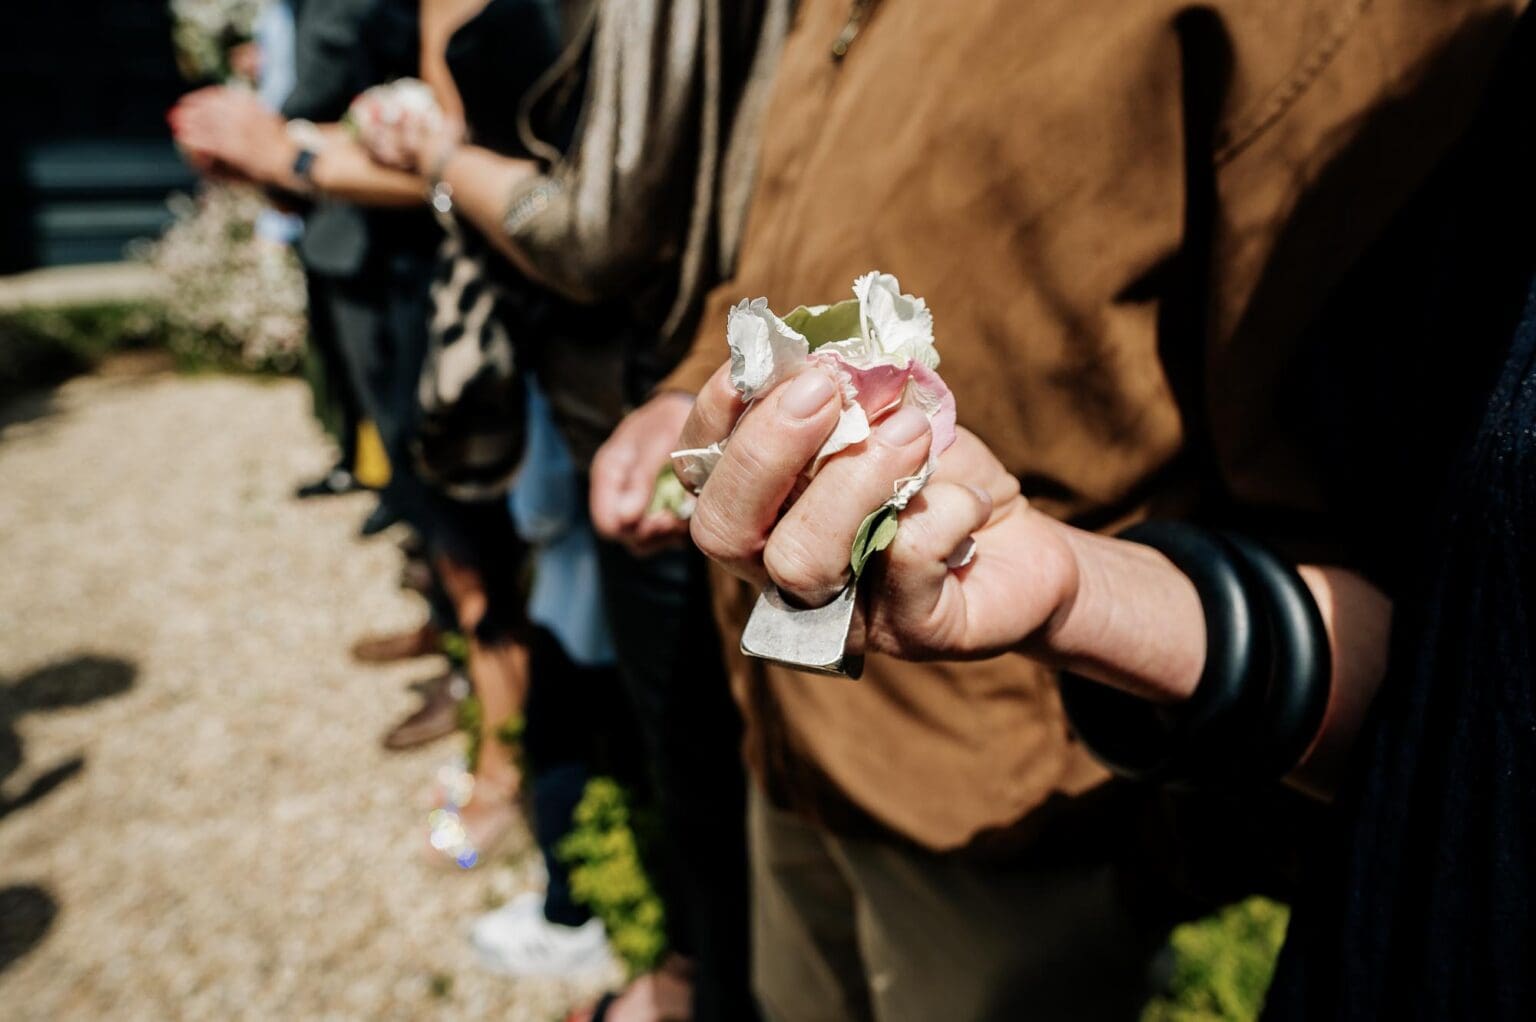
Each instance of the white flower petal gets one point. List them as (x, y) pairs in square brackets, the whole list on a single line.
[(764, 350), (694, 465), (895, 323), (859, 353), (908, 488), (963, 554), (852, 428)]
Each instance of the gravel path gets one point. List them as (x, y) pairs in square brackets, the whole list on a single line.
[(195, 813)]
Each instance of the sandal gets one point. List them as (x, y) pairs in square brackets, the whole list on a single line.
[(599, 1011), (675, 969)]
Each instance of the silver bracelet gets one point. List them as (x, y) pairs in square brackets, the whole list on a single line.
[(440, 192), (524, 206)]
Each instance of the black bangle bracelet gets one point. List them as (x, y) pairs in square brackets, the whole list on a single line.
[(1301, 670), (1147, 742), (1263, 690)]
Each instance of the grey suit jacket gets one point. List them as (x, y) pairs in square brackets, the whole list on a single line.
[(332, 67)]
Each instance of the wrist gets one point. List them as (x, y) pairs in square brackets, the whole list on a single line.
[(1125, 616), (434, 171), (287, 168), (1052, 640), (280, 170), (438, 157)]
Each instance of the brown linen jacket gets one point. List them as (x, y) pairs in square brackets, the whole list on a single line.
[(1123, 217)]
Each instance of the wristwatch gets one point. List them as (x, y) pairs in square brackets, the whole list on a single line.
[(303, 169), (310, 141)]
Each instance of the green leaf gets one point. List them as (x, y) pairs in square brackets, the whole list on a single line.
[(823, 323), (876, 533), (669, 494)]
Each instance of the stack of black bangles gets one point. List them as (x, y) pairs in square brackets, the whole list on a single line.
[(1261, 697)]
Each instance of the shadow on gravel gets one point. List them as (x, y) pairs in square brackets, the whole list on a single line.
[(30, 407), (27, 913), (75, 681)]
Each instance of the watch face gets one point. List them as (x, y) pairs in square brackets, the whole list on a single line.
[(302, 164)]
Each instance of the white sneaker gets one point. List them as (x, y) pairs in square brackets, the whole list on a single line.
[(516, 940)]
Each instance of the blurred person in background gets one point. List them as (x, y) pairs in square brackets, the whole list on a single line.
[(1124, 221), (371, 244), (642, 210), (271, 65), (479, 58)]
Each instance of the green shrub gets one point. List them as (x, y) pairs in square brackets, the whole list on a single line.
[(40, 347), (1223, 964), (608, 877)]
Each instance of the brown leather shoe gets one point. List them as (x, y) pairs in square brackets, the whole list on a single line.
[(384, 649), (437, 716)]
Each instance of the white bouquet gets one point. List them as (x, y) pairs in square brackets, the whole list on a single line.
[(226, 291), (389, 119), (204, 31)]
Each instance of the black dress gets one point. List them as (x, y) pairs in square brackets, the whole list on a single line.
[(678, 705), (1422, 904), (577, 352)]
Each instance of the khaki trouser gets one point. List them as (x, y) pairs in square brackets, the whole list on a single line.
[(849, 930)]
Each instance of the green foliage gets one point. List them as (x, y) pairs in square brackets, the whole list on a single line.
[(471, 721), (607, 874), (823, 324), (1223, 964), (669, 495), (455, 647), (44, 346), (876, 532)]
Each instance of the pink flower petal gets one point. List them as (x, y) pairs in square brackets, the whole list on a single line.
[(930, 393), (878, 388)]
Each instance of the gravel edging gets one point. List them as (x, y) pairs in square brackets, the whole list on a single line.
[(235, 843)]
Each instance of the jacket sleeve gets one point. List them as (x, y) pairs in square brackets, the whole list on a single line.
[(618, 204), (709, 350), (327, 69)]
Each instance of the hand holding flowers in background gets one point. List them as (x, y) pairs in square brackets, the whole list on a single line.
[(402, 124)]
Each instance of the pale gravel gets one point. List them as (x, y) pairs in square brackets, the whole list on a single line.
[(237, 844)]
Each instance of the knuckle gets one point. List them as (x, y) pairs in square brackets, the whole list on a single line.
[(796, 569), (919, 539), (901, 628), (938, 519), (748, 460), (715, 538)]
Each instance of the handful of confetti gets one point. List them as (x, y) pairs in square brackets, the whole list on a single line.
[(386, 119), (879, 346)]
